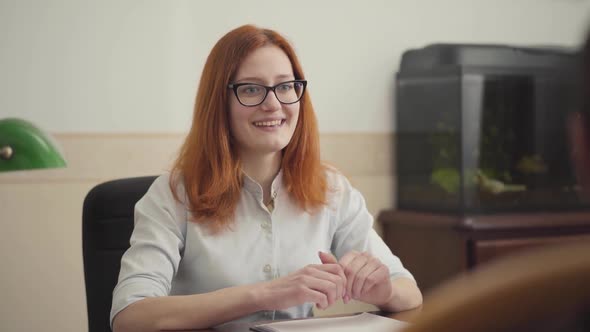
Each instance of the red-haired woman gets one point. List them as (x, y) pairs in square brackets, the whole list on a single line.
[(245, 225)]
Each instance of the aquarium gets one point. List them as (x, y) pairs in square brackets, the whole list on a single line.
[(482, 128)]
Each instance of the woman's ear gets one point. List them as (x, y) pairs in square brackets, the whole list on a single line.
[(580, 149)]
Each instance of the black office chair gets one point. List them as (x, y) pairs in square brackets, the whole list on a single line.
[(107, 223)]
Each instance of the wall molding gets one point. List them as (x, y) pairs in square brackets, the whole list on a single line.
[(96, 157)]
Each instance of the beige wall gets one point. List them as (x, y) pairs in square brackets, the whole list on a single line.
[(42, 275)]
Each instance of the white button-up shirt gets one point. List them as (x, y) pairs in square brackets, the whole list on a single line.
[(170, 255)]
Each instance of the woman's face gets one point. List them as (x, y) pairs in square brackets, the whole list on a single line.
[(268, 127)]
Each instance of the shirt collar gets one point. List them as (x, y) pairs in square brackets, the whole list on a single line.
[(254, 187)]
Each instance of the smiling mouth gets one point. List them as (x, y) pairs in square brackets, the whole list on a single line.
[(267, 124)]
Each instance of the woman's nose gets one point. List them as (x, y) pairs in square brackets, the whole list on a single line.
[(271, 103)]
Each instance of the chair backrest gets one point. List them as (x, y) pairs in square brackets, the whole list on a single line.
[(107, 223)]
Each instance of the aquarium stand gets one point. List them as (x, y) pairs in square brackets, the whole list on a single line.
[(435, 247)]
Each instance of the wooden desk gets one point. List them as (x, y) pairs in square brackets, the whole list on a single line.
[(406, 316)]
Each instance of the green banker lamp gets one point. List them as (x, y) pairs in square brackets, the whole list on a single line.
[(24, 146)]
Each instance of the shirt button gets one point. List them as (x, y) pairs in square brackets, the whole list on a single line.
[(266, 227), (267, 268)]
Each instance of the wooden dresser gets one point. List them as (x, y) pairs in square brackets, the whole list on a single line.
[(435, 247)]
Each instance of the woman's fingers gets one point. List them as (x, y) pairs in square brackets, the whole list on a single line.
[(338, 270), (372, 264), (362, 272), (326, 279), (368, 275), (335, 269), (327, 258), (323, 284), (357, 272), (352, 263), (348, 257), (344, 263), (332, 274), (313, 290), (381, 274)]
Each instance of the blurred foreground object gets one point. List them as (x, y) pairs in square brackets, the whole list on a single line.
[(540, 290)]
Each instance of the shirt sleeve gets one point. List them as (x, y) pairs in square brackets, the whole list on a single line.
[(157, 242), (354, 228)]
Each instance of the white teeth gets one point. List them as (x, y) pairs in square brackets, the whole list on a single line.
[(268, 123)]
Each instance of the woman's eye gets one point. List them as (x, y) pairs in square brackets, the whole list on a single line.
[(285, 87), (250, 90)]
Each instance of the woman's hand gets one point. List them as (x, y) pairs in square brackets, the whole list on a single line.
[(367, 279), (323, 284)]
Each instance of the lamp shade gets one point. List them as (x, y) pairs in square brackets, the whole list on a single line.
[(24, 146)]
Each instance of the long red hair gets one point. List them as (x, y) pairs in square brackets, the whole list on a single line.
[(208, 165)]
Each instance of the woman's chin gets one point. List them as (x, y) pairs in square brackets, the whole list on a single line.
[(267, 148)]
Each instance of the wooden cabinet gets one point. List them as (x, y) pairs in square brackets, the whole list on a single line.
[(435, 247)]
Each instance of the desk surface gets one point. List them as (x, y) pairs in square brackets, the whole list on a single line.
[(406, 316)]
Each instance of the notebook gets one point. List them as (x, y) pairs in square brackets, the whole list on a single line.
[(362, 322)]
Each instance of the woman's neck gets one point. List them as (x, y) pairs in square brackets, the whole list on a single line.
[(262, 168)]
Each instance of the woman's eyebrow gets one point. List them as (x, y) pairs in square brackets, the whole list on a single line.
[(261, 81), (285, 76), (250, 79)]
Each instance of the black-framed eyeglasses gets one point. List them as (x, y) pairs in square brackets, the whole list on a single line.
[(252, 94)]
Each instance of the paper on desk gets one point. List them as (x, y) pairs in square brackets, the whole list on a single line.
[(362, 322)]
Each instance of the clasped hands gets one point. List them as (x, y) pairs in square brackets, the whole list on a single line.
[(357, 276)]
